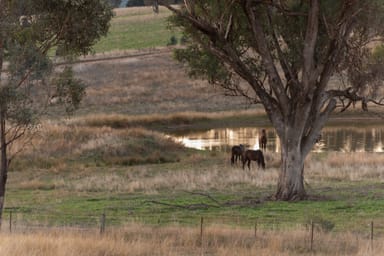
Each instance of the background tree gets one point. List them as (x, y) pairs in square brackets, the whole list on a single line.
[(283, 55), (29, 30)]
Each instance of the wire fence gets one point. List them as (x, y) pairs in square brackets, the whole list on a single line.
[(15, 220)]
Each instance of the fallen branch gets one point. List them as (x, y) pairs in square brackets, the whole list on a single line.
[(206, 195), (187, 207)]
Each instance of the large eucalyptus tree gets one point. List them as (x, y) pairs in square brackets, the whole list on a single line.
[(30, 30), (283, 55)]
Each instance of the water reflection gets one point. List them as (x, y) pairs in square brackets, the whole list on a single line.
[(341, 139)]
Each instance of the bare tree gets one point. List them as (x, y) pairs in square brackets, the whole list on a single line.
[(283, 55)]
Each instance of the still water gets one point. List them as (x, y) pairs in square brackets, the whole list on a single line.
[(340, 139)]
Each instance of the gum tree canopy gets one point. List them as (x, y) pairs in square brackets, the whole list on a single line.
[(283, 55), (29, 30)]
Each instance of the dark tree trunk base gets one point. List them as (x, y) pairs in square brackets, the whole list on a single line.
[(292, 196)]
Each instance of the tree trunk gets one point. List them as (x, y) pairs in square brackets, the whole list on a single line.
[(3, 164), (291, 180), (290, 185), (3, 143)]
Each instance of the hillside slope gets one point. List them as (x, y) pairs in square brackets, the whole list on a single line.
[(147, 84)]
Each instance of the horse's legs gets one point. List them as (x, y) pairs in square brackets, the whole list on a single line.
[(249, 164), (232, 159)]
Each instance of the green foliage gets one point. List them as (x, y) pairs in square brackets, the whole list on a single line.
[(115, 3), (202, 64), (135, 3), (287, 29), (69, 90), (172, 41), (31, 29)]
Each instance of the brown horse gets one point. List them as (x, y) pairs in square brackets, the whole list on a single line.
[(255, 155), (237, 153), (263, 140)]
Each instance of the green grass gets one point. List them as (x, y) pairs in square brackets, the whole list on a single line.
[(137, 30), (187, 208)]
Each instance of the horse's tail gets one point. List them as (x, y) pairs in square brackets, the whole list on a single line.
[(232, 159)]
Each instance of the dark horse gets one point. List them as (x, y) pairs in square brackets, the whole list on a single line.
[(255, 155), (237, 153), (263, 140)]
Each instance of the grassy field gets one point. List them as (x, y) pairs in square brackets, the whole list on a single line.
[(137, 28), (112, 158)]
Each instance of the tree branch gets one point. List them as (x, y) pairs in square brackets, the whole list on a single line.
[(188, 207), (309, 47), (262, 48)]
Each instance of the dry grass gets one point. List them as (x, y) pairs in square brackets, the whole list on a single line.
[(147, 85), (347, 167), (119, 147), (203, 174), (172, 119), (136, 239)]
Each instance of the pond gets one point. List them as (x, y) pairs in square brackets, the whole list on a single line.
[(334, 138)]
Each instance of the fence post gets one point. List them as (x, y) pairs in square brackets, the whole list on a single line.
[(312, 226), (371, 235), (255, 229), (201, 231), (10, 221), (102, 224)]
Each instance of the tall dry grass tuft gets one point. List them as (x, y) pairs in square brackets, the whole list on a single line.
[(356, 166), (137, 239)]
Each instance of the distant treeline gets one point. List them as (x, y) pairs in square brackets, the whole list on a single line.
[(130, 3)]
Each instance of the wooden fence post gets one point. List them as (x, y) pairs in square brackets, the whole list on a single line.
[(255, 229), (371, 235), (10, 221), (102, 224), (312, 226), (201, 231)]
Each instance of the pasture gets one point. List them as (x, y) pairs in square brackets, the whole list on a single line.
[(112, 158), (137, 28)]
